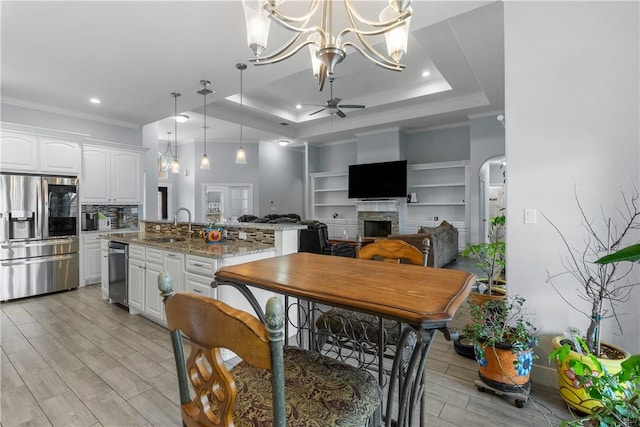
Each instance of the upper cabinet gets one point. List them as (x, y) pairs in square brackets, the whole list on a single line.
[(18, 152), (21, 152), (111, 175), (59, 156)]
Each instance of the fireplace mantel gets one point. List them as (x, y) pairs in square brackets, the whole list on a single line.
[(377, 205)]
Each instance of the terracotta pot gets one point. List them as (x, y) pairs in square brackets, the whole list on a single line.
[(498, 291), (574, 395), (497, 369)]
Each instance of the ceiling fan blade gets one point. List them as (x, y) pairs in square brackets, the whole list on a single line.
[(336, 101), (319, 111), (314, 105), (340, 114), (352, 106)]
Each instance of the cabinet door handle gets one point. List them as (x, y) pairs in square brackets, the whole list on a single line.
[(197, 264), (171, 255), (198, 291)]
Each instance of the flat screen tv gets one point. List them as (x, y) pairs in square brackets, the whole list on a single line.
[(378, 180)]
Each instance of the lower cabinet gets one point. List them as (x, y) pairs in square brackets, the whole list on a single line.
[(91, 259), (104, 273), (197, 284), (136, 285), (153, 306)]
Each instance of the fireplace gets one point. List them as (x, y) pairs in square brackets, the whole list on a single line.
[(382, 217), (377, 228)]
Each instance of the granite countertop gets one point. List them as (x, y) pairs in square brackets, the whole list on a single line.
[(194, 245), (266, 226)]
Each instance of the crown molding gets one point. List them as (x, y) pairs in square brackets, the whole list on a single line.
[(66, 112)]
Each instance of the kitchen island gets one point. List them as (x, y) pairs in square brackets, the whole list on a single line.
[(191, 263)]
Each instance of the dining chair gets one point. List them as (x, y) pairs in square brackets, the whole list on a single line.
[(272, 385), (339, 326)]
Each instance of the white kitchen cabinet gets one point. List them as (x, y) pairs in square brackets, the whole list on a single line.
[(91, 256), (200, 272), (111, 176), (174, 267), (59, 156), (198, 284), (153, 305), (18, 152), (104, 273), (137, 269)]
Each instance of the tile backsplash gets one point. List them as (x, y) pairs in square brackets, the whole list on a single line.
[(122, 216)]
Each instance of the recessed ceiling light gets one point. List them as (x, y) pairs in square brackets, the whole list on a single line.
[(283, 142), (94, 101), (298, 106), (426, 73)]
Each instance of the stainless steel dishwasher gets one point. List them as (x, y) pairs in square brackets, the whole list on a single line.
[(118, 275)]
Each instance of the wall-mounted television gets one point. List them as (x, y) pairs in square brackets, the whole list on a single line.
[(378, 180)]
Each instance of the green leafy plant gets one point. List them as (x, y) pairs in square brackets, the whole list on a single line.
[(490, 255), (618, 394), (503, 321)]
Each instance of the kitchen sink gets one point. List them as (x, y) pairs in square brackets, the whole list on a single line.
[(166, 239)]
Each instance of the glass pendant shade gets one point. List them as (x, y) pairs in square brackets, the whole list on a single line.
[(257, 24), (241, 157), (397, 38), (313, 51), (204, 162), (175, 166)]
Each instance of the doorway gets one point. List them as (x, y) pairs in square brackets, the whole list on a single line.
[(493, 181)]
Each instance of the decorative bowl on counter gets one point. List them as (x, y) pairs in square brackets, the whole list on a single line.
[(212, 234)]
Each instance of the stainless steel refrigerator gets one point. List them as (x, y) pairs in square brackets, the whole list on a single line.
[(38, 235)]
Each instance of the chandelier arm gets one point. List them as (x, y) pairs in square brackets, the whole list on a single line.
[(368, 33), (277, 16), (353, 12), (376, 58), (279, 55)]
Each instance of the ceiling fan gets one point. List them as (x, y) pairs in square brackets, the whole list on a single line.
[(332, 105)]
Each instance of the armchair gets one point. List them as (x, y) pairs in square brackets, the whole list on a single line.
[(442, 243), (315, 239)]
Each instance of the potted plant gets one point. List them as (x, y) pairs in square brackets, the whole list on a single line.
[(490, 260), (503, 337), (604, 285), (617, 394)]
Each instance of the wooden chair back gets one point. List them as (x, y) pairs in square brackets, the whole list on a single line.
[(392, 251), (212, 325)]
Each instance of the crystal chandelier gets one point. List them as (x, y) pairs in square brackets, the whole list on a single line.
[(328, 48)]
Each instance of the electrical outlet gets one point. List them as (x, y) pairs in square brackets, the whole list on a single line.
[(242, 235)]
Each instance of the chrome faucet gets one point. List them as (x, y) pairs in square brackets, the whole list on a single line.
[(175, 217)]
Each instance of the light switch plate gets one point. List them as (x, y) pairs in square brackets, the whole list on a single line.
[(530, 216)]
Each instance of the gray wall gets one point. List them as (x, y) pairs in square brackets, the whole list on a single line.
[(85, 128), (281, 180), (438, 145), (571, 125), (487, 138)]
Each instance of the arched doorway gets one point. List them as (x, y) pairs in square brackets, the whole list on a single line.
[(492, 179)]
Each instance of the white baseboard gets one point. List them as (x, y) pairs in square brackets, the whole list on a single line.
[(545, 375)]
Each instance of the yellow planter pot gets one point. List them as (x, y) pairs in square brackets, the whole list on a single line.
[(574, 395)]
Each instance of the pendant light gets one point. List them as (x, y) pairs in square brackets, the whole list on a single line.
[(204, 162), (241, 156), (167, 156), (175, 164)]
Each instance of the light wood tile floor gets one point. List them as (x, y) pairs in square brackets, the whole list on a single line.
[(72, 359)]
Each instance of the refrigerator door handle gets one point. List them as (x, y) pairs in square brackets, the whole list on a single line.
[(37, 260), (4, 227), (44, 209)]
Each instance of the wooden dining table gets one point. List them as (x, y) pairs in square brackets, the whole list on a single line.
[(423, 299)]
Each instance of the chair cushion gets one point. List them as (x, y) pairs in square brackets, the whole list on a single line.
[(319, 391)]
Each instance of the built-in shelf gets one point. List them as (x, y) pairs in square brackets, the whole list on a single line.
[(441, 189)]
